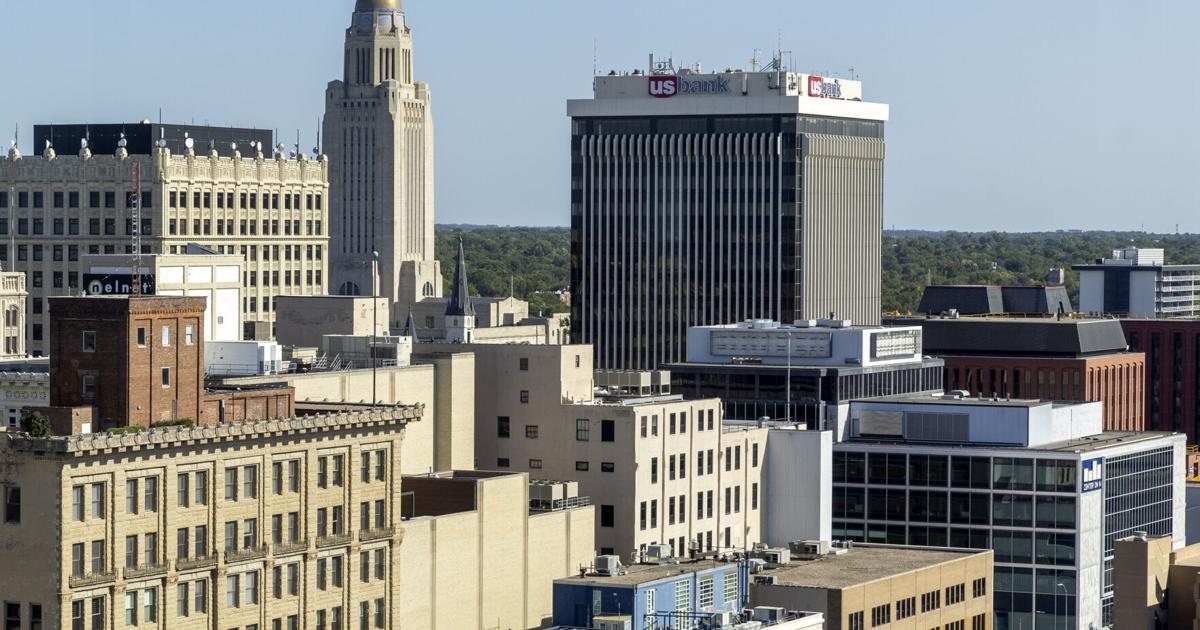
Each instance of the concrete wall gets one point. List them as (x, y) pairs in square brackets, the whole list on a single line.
[(798, 487), (301, 321)]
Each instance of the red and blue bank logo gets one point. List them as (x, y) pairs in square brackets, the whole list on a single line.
[(664, 86)]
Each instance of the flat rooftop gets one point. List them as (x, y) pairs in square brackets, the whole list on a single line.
[(1092, 443), (643, 573), (862, 565), (925, 399)]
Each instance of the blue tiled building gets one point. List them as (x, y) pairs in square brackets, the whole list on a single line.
[(668, 591)]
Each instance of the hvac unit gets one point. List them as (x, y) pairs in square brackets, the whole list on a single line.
[(810, 549), (768, 613), (656, 553), (608, 565), (614, 623), (764, 579), (777, 557), (719, 620)]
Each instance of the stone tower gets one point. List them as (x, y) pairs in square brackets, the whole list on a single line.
[(379, 139)]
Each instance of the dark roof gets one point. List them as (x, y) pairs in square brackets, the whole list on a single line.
[(410, 327), (460, 296), (995, 300), (140, 138), (1023, 337)]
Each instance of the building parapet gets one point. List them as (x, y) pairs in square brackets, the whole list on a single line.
[(135, 573), (91, 579), (246, 555), (368, 535), (335, 540), (94, 443), (189, 564), (287, 549)]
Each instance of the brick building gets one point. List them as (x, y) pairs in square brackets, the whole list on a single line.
[(1172, 349), (1045, 359), (118, 361)]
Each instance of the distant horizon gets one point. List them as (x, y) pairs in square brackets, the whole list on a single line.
[(484, 226)]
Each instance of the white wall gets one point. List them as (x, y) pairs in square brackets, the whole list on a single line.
[(1142, 293), (797, 486), (1091, 291)]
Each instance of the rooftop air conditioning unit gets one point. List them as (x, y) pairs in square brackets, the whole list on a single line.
[(614, 623), (656, 553), (777, 557), (721, 619), (765, 580), (608, 565), (768, 613), (810, 549)]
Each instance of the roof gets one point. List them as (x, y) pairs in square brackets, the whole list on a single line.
[(1068, 338), (862, 565), (1108, 439), (460, 296), (1089, 444), (645, 573), (921, 399), (994, 299)]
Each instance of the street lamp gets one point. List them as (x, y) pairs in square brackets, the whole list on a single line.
[(374, 325)]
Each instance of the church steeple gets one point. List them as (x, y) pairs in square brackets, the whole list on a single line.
[(460, 312)]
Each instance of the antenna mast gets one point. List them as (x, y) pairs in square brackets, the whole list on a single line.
[(135, 208)]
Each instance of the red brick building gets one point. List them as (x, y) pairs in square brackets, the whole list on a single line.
[(121, 361), (1046, 359), (1172, 349)]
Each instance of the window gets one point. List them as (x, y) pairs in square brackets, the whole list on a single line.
[(535, 464), (524, 397), (380, 465), (706, 592), (231, 484), (166, 336), (141, 337), (35, 617), (608, 431), (294, 476), (583, 430), (502, 462), (189, 334), (293, 579), (89, 341), (88, 386), (653, 470), (906, 608), (202, 487), (77, 503), (856, 621), (379, 565), (335, 572), (338, 468), (322, 571), (183, 599), (166, 377), (531, 431), (98, 563), (881, 615), (955, 594), (250, 533), (608, 467), (250, 481), (250, 587), (979, 587), (200, 538), (503, 428), (78, 560), (730, 587), (524, 363)]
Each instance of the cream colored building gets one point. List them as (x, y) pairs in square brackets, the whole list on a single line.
[(1155, 587), (660, 470), (216, 277), (297, 523), (445, 385), (303, 320), (12, 305), (23, 383), (270, 211), (879, 586), (379, 135)]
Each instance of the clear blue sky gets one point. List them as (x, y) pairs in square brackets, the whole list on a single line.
[(1014, 115)]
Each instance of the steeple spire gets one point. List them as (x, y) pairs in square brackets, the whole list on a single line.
[(460, 299), (410, 327)]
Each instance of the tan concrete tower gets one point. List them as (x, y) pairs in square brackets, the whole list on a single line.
[(379, 138)]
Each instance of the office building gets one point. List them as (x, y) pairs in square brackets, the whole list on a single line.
[(1137, 282), (1039, 483), (695, 594), (881, 586), (827, 363), (270, 211), (12, 303), (1172, 375), (1042, 301), (1155, 584), (660, 469), (379, 137), (1043, 359), (701, 198), (218, 278)]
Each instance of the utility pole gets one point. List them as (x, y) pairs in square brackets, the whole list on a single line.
[(374, 325)]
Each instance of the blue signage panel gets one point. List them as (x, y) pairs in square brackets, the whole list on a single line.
[(1092, 478)]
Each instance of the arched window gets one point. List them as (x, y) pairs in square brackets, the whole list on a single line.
[(427, 290), (349, 288)]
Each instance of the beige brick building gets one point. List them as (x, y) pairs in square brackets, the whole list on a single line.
[(12, 305), (298, 523), (660, 470), (879, 586), (270, 211)]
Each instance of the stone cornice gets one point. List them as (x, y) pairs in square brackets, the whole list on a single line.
[(171, 437)]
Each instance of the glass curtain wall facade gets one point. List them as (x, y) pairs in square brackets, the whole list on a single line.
[(1024, 507), (698, 220)]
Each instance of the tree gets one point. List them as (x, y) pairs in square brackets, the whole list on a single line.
[(36, 424)]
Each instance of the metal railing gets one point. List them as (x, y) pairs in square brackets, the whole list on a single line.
[(377, 534), (133, 573), (558, 505), (243, 555), (187, 564), (335, 540), (286, 549), (91, 579)]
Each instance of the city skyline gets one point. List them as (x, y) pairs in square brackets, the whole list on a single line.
[(963, 82)]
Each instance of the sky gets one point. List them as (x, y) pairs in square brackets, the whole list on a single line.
[(1015, 115)]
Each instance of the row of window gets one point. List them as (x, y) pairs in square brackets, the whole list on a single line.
[(677, 508), (71, 199), (70, 226), (248, 201), (678, 423), (225, 227), (983, 473), (956, 508)]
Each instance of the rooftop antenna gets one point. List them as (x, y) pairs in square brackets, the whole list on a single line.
[(754, 63)]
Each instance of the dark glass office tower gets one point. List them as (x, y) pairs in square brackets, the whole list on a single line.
[(711, 199)]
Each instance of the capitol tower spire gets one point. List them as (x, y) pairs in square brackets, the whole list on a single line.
[(379, 138)]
